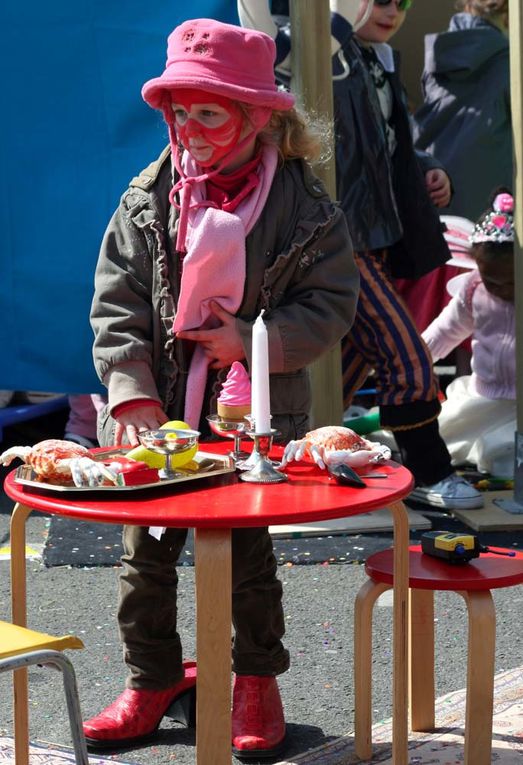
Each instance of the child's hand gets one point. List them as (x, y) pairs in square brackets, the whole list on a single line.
[(132, 421), (438, 186), (222, 345)]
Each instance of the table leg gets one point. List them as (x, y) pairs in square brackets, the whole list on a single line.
[(363, 607), (400, 735), (213, 573), (19, 616)]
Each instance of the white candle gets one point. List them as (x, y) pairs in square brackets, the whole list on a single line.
[(260, 403)]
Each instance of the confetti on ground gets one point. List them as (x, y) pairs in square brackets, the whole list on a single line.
[(445, 745)]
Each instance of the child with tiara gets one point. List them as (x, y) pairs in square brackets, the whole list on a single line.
[(478, 419)]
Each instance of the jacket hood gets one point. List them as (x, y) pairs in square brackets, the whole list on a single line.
[(467, 45)]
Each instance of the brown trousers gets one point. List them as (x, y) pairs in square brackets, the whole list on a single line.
[(147, 609)]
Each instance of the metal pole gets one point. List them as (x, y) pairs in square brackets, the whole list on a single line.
[(312, 83), (516, 102)]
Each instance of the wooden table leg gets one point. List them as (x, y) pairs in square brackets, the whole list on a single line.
[(213, 572), (400, 723), (363, 608), (19, 616)]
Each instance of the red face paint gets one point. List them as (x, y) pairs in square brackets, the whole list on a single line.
[(209, 126)]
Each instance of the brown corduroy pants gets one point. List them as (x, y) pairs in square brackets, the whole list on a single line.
[(147, 609)]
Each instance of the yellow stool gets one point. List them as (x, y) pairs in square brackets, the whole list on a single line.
[(21, 648)]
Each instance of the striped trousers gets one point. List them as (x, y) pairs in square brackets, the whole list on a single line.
[(385, 339)]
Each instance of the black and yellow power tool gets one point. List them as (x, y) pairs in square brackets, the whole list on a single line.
[(453, 547)]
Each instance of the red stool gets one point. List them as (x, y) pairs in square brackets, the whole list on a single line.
[(474, 581)]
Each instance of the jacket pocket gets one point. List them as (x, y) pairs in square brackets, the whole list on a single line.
[(290, 426), (290, 403)]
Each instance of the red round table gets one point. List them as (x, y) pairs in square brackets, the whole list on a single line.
[(213, 507)]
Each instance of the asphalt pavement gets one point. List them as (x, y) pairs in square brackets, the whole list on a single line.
[(317, 691), (318, 598)]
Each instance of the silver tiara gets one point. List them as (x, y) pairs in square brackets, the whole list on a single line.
[(498, 224)]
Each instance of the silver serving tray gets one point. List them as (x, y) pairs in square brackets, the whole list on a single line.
[(208, 465)]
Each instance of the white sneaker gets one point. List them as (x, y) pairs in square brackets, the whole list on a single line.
[(452, 493)]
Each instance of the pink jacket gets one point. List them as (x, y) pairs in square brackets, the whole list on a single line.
[(491, 322)]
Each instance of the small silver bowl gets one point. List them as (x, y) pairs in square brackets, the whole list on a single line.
[(169, 442), (231, 429)]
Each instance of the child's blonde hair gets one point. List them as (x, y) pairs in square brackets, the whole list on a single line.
[(295, 135)]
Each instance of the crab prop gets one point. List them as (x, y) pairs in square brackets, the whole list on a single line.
[(335, 445), (62, 462)]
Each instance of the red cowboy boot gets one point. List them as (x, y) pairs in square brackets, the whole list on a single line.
[(136, 714), (258, 724)]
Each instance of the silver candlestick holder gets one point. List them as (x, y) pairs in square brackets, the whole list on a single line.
[(262, 471)]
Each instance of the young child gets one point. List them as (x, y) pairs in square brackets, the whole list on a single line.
[(230, 220), (478, 419), (466, 103), (389, 195)]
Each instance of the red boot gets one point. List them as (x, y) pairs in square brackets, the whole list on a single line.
[(258, 724), (136, 714)]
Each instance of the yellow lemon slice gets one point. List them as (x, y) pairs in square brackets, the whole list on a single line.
[(141, 454)]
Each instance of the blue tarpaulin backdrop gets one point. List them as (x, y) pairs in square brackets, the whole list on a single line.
[(74, 131)]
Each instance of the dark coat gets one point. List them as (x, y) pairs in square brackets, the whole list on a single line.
[(300, 269), (385, 201), (465, 119)]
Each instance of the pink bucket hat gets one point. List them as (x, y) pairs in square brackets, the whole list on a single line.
[(219, 58)]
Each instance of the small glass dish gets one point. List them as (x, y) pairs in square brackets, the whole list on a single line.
[(169, 442)]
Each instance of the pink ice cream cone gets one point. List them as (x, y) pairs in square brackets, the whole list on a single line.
[(234, 401)]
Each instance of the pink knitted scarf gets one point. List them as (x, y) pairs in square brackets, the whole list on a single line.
[(214, 267)]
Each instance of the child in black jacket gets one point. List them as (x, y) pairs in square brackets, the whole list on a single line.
[(389, 193)]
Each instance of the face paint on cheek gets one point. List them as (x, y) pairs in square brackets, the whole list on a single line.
[(220, 140), (208, 145)]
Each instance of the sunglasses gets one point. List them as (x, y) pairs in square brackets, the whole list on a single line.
[(403, 5)]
